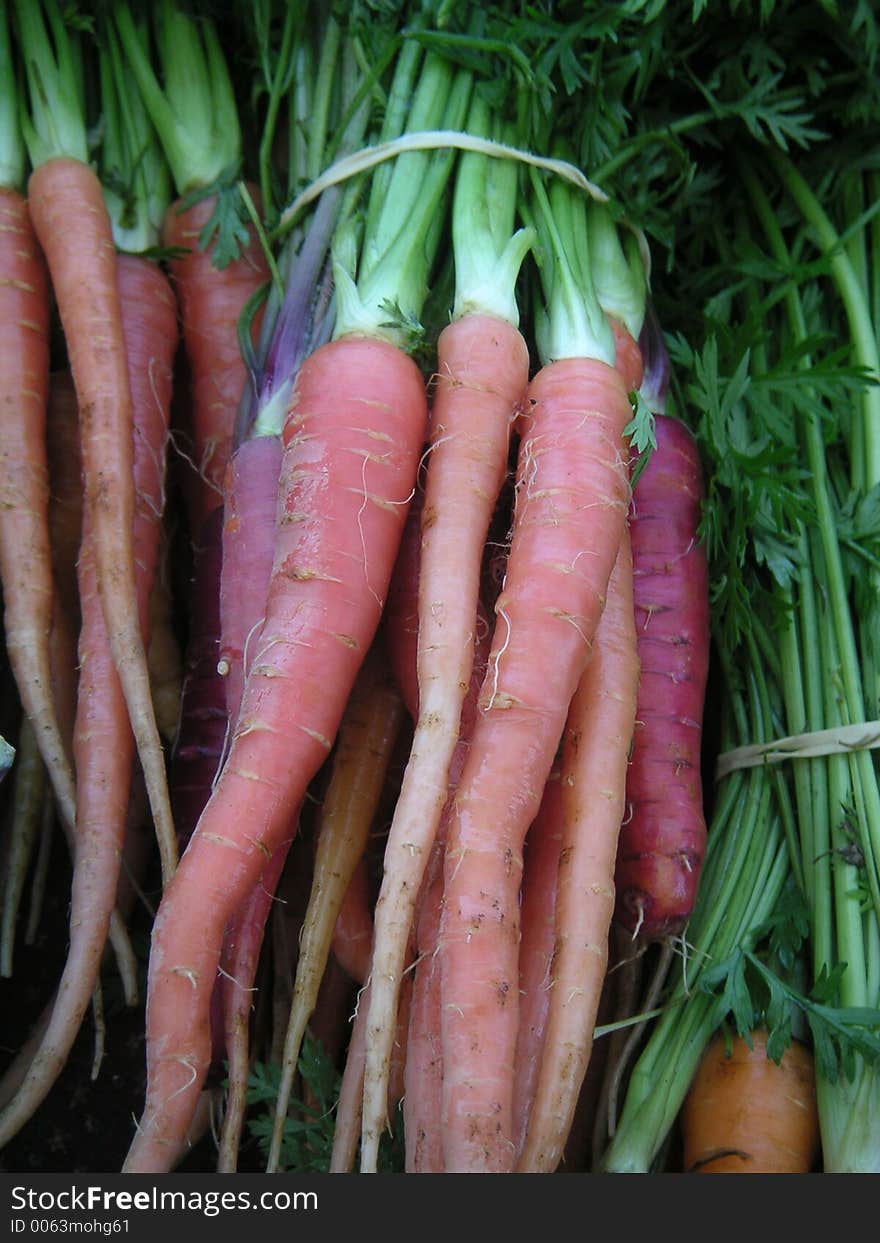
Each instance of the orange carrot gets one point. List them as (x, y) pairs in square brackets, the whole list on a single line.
[(570, 513), (747, 1114), (598, 736), (352, 439)]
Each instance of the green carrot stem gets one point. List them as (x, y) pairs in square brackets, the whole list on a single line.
[(54, 123), (488, 254), (12, 152), (850, 665), (381, 280), (195, 113), (134, 172), (571, 323), (866, 465)]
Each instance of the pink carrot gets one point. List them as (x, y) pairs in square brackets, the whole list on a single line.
[(353, 930), (538, 942), (349, 1107), (352, 440), (248, 548), (367, 736), (570, 513), (482, 373), (424, 1063), (25, 549), (104, 745), (598, 736)]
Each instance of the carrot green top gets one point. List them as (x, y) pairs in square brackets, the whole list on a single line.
[(618, 269), (12, 155), (195, 115), (570, 323), (381, 263), (134, 172), (488, 254), (54, 126)]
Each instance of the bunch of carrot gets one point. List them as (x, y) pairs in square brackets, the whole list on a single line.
[(444, 625)]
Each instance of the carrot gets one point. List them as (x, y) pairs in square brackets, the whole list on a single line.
[(537, 942), (572, 495), (746, 1113), (25, 556), (355, 428), (367, 737), (248, 538), (423, 1072), (596, 748), (350, 1104), (595, 754), (65, 523), (211, 303), (663, 839), (352, 943), (65, 534), (217, 265), (248, 545), (352, 398), (202, 724), (73, 226), (103, 741), (238, 964), (482, 372)]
